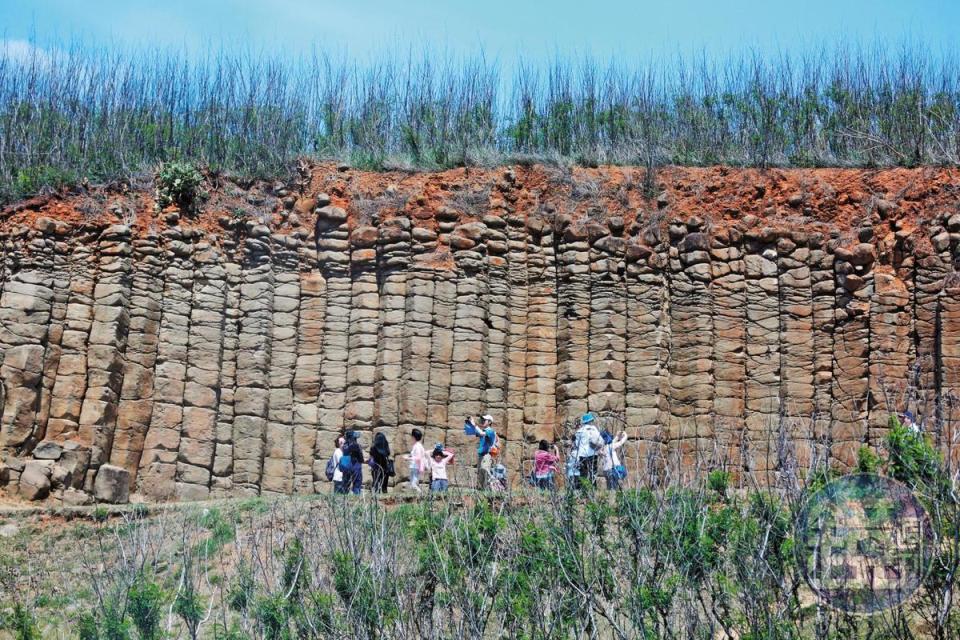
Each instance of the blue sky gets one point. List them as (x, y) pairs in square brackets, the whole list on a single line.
[(506, 29)]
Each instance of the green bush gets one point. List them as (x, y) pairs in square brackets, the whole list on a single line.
[(867, 460), (188, 603), (179, 184), (21, 623), (912, 458), (146, 600), (87, 627), (719, 481)]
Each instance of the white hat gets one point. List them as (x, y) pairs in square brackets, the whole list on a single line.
[(487, 417)]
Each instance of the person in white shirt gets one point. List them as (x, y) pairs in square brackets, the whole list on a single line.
[(910, 422), (439, 460), (337, 474), (587, 445), (418, 460), (611, 461)]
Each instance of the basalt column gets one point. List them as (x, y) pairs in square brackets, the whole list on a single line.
[(691, 372), (278, 464), (393, 266), (647, 357), (158, 464), (252, 395), (136, 403), (540, 416), (573, 319), (202, 385), (763, 407), (728, 290)]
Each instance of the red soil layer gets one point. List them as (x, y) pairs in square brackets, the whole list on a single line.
[(837, 200)]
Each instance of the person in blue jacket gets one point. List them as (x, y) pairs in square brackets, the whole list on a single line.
[(486, 448)]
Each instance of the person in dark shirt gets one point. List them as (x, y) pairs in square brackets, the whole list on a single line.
[(380, 463), (352, 449)]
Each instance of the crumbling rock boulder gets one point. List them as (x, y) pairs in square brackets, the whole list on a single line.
[(112, 485)]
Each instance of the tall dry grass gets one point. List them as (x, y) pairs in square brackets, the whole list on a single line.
[(80, 112)]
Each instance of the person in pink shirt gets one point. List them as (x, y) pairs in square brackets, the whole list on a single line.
[(545, 465)]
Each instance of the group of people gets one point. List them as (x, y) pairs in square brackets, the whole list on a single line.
[(345, 467), (592, 453)]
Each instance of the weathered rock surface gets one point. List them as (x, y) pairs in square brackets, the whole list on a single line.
[(181, 363)]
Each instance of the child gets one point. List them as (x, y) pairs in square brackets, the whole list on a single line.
[(418, 459), (545, 465), (438, 469)]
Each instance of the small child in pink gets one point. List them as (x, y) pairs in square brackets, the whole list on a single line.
[(439, 460)]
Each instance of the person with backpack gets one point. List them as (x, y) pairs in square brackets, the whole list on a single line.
[(545, 465), (381, 465), (587, 446), (487, 449), (417, 458), (332, 470), (611, 466), (439, 460), (351, 464)]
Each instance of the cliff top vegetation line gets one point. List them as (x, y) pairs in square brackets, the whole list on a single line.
[(77, 114)]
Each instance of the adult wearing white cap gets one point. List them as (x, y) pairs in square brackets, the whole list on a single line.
[(486, 448)]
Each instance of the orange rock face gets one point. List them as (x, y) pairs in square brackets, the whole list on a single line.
[(746, 318)]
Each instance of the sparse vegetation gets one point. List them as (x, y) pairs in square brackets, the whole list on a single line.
[(711, 556), (78, 113)]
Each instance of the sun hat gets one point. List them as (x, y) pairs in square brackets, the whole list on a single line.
[(487, 417), (587, 418)]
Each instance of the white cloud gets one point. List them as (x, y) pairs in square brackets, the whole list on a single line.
[(23, 53)]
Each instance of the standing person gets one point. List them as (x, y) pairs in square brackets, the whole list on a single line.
[(380, 463), (545, 465), (418, 459), (588, 445), (438, 469), (337, 473), (486, 448), (910, 422), (613, 470), (352, 471)]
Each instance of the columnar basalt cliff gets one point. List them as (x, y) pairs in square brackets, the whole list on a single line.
[(177, 355)]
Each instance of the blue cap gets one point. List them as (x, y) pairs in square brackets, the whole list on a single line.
[(908, 415), (587, 418)]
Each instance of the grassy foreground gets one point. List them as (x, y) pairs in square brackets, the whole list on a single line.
[(75, 113), (696, 560)]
